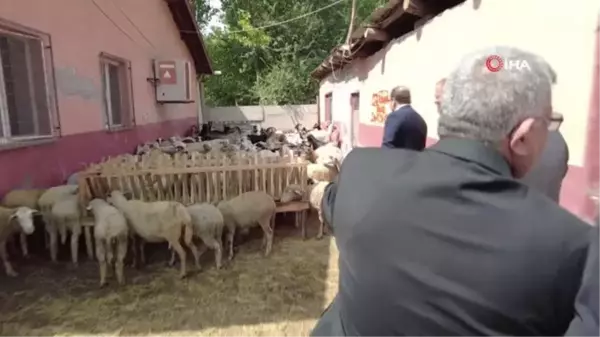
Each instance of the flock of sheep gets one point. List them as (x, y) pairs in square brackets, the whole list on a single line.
[(121, 223)]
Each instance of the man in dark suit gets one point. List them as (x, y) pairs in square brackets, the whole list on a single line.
[(548, 173), (404, 128), (448, 241), (587, 304)]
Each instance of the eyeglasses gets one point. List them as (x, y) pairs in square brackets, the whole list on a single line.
[(554, 121)]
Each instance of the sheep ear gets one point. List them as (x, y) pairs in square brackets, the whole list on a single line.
[(298, 193), (128, 195), (12, 216)]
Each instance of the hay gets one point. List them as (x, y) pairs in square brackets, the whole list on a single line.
[(283, 294)]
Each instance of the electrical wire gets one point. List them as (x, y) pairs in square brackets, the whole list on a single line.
[(113, 22), (134, 25), (274, 24)]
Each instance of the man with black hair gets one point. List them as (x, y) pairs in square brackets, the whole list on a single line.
[(404, 128)]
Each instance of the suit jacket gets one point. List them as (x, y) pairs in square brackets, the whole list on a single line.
[(587, 303), (548, 173), (446, 242), (404, 128)]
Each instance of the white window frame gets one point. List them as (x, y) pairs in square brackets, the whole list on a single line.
[(6, 136), (127, 112)]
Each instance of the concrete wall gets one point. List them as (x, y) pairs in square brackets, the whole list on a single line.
[(564, 35), (80, 32), (281, 117)]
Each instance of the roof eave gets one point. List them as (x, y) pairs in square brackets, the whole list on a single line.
[(395, 19), (191, 35)]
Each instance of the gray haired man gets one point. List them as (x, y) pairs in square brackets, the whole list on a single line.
[(439, 91), (447, 241)]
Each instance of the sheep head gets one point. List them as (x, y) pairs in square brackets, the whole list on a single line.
[(94, 203), (116, 198), (292, 193), (24, 216)]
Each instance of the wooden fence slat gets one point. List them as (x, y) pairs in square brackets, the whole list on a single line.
[(191, 178)]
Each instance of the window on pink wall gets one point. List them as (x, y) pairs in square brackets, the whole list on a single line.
[(328, 102), (116, 92), (25, 108)]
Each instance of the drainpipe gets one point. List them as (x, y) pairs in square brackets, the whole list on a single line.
[(200, 116)]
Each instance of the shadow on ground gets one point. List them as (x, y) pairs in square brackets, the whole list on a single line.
[(282, 294)]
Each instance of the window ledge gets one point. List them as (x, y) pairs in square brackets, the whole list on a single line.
[(116, 129), (19, 144)]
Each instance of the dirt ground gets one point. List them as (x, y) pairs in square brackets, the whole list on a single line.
[(282, 294)]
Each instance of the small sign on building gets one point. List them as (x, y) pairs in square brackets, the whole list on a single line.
[(175, 81), (167, 73)]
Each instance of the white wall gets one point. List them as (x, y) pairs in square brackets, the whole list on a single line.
[(563, 33), (279, 116)]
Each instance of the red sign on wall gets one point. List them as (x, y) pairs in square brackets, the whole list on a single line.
[(380, 106), (167, 73)]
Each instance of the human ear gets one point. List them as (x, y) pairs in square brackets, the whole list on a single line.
[(519, 141)]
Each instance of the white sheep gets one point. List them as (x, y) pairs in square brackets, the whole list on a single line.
[(208, 226), (23, 198), (73, 179), (159, 221), (328, 154), (110, 233), (45, 202), (247, 210), (322, 172), (314, 194), (67, 216), (12, 221), (267, 154)]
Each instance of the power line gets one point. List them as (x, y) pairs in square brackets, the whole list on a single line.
[(274, 24), (113, 22), (133, 24)]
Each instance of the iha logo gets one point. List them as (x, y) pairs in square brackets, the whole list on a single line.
[(495, 63)]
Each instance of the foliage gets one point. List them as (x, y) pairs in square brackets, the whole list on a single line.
[(203, 12), (272, 65), (285, 82)]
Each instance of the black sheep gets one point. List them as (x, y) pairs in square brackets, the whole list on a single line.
[(314, 142), (257, 138)]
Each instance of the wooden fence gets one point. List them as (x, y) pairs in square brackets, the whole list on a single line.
[(195, 179)]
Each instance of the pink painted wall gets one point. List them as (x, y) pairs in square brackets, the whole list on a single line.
[(592, 163), (79, 32)]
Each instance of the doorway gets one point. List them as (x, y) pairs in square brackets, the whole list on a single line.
[(354, 118)]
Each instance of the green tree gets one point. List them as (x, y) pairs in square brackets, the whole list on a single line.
[(203, 12), (285, 82), (272, 65), (238, 56)]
